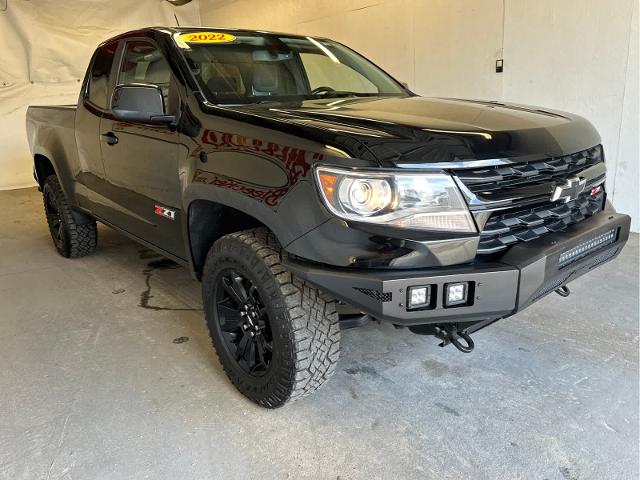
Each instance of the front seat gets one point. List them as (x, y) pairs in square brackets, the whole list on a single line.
[(265, 79), (272, 78), (222, 79), (158, 73)]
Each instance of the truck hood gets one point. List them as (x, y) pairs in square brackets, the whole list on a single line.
[(410, 132)]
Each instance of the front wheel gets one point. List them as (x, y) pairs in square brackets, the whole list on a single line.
[(277, 337)]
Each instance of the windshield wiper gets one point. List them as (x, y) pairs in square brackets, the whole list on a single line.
[(337, 94)]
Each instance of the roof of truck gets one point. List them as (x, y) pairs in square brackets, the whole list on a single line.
[(187, 29)]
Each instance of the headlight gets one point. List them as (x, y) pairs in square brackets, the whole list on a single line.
[(418, 201)]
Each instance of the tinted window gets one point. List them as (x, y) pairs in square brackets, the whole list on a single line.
[(144, 63), (100, 72)]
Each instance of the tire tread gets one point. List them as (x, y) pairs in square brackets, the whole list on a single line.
[(82, 239), (313, 326)]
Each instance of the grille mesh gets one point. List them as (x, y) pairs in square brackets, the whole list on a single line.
[(523, 222), (376, 294), (550, 287), (514, 176), (526, 224), (603, 257)]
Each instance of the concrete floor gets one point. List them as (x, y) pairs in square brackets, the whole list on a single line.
[(94, 384)]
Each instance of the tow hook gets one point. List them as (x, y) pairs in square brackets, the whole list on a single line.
[(563, 291), (449, 334)]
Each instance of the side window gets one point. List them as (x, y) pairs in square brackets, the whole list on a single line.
[(144, 63), (100, 72), (324, 72)]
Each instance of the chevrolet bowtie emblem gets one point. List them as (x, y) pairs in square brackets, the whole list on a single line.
[(573, 187)]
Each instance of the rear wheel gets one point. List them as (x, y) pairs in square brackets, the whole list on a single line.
[(276, 336), (71, 238)]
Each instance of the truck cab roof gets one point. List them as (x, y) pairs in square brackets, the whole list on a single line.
[(187, 29)]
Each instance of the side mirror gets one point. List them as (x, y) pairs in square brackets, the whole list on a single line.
[(140, 103)]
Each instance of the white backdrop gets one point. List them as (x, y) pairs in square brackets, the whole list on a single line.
[(575, 55), (45, 46)]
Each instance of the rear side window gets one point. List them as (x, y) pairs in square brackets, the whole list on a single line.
[(100, 73), (144, 63)]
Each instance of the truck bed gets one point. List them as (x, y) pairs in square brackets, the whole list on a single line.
[(51, 133)]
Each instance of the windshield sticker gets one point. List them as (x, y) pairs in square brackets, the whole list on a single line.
[(207, 37)]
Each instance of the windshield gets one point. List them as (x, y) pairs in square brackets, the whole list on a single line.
[(234, 68)]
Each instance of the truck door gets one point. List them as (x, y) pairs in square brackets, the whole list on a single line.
[(92, 104), (143, 195)]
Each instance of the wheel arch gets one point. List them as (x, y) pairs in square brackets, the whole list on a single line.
[(212, 211), (43, 167), (207, 221), (45, 163)]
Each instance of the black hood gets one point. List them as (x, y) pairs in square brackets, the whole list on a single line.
[(409, 131)]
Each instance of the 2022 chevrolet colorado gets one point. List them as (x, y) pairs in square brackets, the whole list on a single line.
[(307, 189)]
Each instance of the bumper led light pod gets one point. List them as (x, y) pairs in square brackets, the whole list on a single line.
[(419, 297), (456, 294)]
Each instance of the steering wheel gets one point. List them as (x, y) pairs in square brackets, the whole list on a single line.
[(322, 90)]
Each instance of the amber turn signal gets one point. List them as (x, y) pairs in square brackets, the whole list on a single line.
[(328, 183)]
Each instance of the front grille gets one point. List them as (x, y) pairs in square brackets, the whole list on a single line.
[(518, 197), (506, 228), (483, 181)]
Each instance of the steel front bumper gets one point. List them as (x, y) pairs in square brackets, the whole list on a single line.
[(526, 273)]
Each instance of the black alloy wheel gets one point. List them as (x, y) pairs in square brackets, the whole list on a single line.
[(244, 322), (276, 336)]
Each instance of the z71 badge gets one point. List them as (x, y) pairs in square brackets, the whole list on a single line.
[(165, 212)]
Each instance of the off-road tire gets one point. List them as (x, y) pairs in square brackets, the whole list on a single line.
[(304, 321), (71, 239)]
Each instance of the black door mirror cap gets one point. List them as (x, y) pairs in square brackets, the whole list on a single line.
[(143, 117), (163, 119), (142, 103)]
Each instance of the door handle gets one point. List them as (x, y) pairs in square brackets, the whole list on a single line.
[(110, 138)]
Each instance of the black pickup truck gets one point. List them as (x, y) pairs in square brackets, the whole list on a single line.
[(309, 191)]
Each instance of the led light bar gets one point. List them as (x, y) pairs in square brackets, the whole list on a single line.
[(585, 248)]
